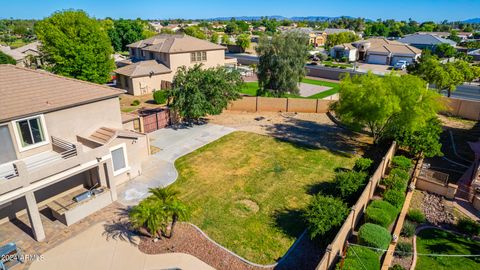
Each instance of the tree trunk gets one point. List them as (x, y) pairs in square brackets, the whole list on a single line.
[(449, 93), (174, 221)]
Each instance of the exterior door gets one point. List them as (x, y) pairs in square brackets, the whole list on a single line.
[(7, 150)]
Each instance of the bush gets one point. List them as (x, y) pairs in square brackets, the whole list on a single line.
[(468, 226), (408, 229), (374, 235), (160, 97), (396, 267), (397, 180), (348, 184), (362, 164), (323, 214), (402, 162), (403, 249), (395, 197), (136, 102), (416, 215), (361, 258), (381, 213)]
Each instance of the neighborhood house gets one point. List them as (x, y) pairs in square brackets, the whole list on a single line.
[(379, 51), (426, 41), (156, 60), (64, 149)]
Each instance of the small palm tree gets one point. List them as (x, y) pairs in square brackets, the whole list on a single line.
[(168, 199), (150, 215), (178, 210)]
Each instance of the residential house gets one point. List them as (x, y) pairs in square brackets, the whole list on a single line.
[(315, 38), (475, 54), (25, 55), (376, 51), (330, 31), (60, 138), (156, 60), (460, 34), (425, 41)]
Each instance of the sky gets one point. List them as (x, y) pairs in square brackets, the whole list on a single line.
[(420, 10)]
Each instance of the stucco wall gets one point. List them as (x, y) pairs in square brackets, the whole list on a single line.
[(214, 59), (468, 109), (147, 84), (80, 120), (264, 104), (137, 152)]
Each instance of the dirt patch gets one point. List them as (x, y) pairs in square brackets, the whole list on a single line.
[(311, 129), (245, 207), (127, 102)]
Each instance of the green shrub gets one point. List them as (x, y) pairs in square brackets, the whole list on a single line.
[(160, 97), (396, 267), (323, 214), (395, 197), (136, 102), (348, 184), (416, 215), (381, 213), (468, 226), (408, 229), (397, 179), (362, 164), (374, 235), (403, 249), (402, 162), (361, 258)]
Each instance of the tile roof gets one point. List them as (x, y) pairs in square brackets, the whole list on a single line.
[(426, 39), (385, 46), (177, 43), (143, 68), (18, 56), (330, 31), (26, 92)]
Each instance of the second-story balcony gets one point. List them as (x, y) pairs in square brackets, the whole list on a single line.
[(62, 156)]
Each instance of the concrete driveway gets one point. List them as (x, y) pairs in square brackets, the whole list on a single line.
[(159, 170), (307, 89), (92, 249)]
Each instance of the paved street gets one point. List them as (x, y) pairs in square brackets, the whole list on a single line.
[(467, 91), (159, 170)]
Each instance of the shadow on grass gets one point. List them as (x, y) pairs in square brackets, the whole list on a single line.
[(290, 221)]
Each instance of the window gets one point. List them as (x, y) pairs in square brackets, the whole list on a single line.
[(30, 132), (198, 56), (119, 159)]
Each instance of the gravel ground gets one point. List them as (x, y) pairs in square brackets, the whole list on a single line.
[(187, 239)]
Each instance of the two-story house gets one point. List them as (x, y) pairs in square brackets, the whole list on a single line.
[(156, 60), (63, 148)]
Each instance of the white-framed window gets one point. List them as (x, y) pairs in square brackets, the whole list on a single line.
[(198, 56), (119, 159), (30, 132)]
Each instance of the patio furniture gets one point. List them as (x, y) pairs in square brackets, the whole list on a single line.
[(10, 255)]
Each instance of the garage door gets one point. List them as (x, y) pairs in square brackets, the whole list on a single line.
[(377, 59), (395, 59)]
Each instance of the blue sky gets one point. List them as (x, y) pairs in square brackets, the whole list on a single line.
[(420, 10)]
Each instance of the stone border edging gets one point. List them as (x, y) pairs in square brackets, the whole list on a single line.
[(245, 260)]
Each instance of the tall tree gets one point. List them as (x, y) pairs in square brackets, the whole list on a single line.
[(243, 41), (125, 32), (383, 104), (76, 45), (197, 92), (282, 63)]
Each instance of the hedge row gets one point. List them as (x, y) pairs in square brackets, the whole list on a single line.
[(361, 258), (381, 212), (374, 235)]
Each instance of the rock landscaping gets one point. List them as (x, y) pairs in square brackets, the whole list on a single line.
[(436, 212)]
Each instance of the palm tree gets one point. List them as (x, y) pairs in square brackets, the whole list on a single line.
[(168, 198), (178, 210), (148, 214)]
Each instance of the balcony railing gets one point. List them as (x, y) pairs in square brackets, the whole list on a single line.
[(61, 150)]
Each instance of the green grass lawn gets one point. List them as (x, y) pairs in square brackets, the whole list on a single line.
[(441, 242), (251, 88), (247, 191), (336, 64)]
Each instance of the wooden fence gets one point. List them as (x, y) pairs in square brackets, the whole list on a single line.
[(336, 247), (269, 104), (155, 119)]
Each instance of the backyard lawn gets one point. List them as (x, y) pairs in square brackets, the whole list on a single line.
[(441, 242), (247, 190), (250, 88)]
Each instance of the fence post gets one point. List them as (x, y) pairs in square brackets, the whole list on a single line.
[(288, 100), (256, 104), (141, 124), (329, 255), (354, 217), (316, 106), (372, 188)]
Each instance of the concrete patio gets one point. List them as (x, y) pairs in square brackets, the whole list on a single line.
[(92, 249), (159, 170)]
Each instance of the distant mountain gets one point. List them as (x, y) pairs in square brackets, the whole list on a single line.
[(277, 17), (474, 20)]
